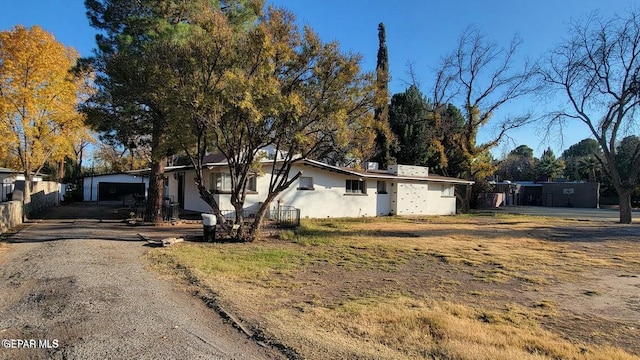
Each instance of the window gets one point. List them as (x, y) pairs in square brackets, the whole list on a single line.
[(382, 187), (220, 182), (448, 190), (305, 183), (355, 187), (251, 183)]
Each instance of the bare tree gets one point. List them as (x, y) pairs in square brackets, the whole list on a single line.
[(482, 77), (596, 70)]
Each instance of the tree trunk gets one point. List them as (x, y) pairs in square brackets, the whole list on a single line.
[(239, 220), (465, 199), (257, 223), (26, 198), (624, 195), (153, 211)]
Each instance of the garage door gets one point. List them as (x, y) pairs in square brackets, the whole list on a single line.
[(112, 191)]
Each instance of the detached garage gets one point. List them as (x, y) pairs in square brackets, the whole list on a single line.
[(114, 187)]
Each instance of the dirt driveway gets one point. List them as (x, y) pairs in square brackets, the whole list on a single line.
[(74, 286)]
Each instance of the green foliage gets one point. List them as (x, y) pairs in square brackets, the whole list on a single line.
[(582, 161), (548, 167), (409, 115), (236, 92), (518, 165), (138, 58), (385, 141), (626, 151)]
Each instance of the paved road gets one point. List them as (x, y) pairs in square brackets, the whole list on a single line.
[(612, 215), (81, 290)]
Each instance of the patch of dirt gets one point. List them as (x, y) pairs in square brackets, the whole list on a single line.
[(61, 281)]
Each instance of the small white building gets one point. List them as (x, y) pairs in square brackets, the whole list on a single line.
[(114, 187), (324, 190)]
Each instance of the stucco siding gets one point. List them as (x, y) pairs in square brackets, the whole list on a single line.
[(192, 200), (323, 193), (329, 197), (439, 203), (412, 198)]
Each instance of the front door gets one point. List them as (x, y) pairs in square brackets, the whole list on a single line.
[(383, 199), (181, 190)]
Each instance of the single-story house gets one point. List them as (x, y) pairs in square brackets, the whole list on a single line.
[(324, 190), (114, 187)]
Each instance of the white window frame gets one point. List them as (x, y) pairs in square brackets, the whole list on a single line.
[(305, 183), (361, 188), (219, 182), (448, 190)]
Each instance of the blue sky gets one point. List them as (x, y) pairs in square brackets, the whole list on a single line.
[(418, 32)]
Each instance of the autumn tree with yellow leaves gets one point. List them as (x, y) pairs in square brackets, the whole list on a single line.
[(38, 98), (275, 84)]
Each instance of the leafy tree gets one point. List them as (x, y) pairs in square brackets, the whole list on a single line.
[(583, 161), (518, 165), (548, 166), (38, 98), (424, 137), (596, 70), (448, 125), (272, 85), (625, 152), (110, 159), (134, 80), (408, 118), (483, 77)]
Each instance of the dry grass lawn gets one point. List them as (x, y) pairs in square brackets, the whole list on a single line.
[(464, 287)]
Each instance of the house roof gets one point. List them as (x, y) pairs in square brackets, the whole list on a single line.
[(383, 174), (4, 170), (368, 174)]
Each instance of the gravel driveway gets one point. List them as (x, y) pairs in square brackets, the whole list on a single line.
[(78, 289)]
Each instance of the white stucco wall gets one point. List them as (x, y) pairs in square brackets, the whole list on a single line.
[(420, 198), (329, 197), (439, 204), (192, 200), (411, 198)]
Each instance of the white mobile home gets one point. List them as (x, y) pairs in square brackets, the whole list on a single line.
[(329, 191)]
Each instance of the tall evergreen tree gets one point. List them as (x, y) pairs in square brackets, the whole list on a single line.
[(408, 118), (384, 136), (548, 166)]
